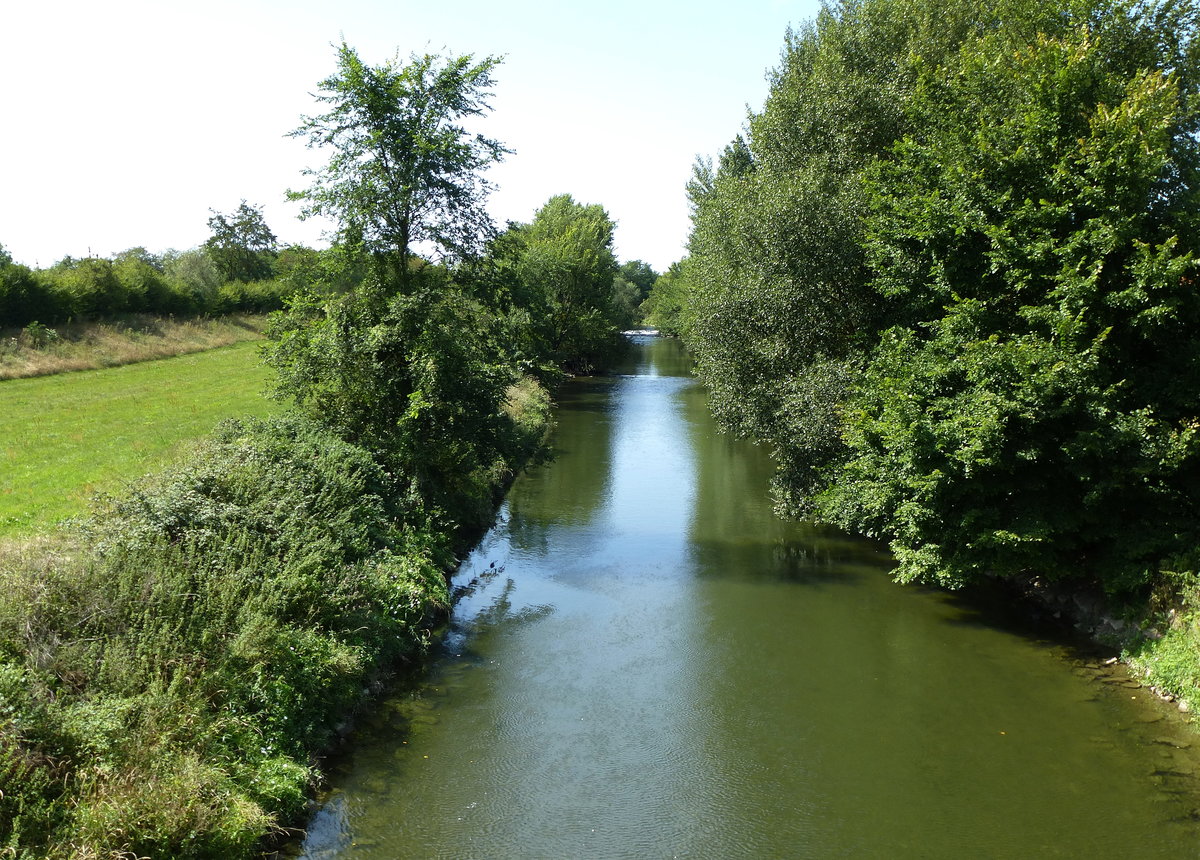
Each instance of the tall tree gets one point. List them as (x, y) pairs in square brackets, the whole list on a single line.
[(566, 261), (404, 173), (242, 245), (23, 299), (664, 307), (1034, 405), (950, 279), (631, 286), (406, 363)]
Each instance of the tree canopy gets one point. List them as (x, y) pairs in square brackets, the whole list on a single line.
[(949, 276), (242, 245), (564, 258), (403, 171)]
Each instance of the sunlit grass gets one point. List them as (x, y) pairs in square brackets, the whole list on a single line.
[(64, 438)]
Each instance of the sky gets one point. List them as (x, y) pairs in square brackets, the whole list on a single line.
[(126, 122)]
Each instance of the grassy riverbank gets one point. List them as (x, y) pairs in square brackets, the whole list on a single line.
[(169, 671), (68, 436), (1168, 655)]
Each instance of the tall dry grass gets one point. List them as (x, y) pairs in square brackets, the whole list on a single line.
[(42, 351)]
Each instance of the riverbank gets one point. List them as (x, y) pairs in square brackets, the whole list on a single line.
[(169, 672), (39, 350)]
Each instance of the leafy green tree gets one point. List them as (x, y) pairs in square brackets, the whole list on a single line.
[(408, 362), (640, 274), (88, 287), (565, 260), (242, 245), (948, 276), (404, 173), (780, 312), (630, 287), (194, 273), (1035, 235), (413, 377), (144, 279), (665, 305)]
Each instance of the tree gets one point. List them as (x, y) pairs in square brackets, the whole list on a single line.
[(88, 287), (781, 314), (640, 274), (631, 286), (404, 172), (407, 362), (417, 379), (23, 297), (1033, 407), (565, 259), (242, 245), (664, 307), (193, 273), (149, 289)]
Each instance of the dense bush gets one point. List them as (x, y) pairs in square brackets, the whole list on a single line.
[(950, 279), (23, 296), (175, 284), (175, 678)]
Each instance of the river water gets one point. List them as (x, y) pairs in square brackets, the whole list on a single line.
[(644, 662)]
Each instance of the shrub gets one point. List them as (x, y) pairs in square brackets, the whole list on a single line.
[(163, 690)]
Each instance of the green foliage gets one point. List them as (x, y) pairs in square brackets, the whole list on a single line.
[(195, 274), (135, 281), (667, 300), (949, 278), (89, 287), (640, 274), (242, 245), (254, 297), (39, 335), (1030, 411), (337, 269), (631, 286), (175, 678), (1170, 662), (566, 271), (403, 170), (24, 298), (413, 377), (148, 286), (779, 308)]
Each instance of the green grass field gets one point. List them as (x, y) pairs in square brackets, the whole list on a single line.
[(64, 438)]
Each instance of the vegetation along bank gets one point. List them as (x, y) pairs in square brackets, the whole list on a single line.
[(170, 669), (949, 277)]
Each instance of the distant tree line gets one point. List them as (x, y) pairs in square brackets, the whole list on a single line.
[(242, 268), (949, 275), (239, 268)]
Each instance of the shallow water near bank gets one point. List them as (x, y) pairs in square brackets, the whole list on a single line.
[(644, 662)]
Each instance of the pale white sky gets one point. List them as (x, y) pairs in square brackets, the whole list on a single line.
[(126, 121)]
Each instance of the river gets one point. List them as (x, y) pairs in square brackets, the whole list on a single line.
[(644, 662)]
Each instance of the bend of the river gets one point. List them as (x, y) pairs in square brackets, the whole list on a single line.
[(644, 662)]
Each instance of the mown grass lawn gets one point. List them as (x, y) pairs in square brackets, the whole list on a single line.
[(64, 438)]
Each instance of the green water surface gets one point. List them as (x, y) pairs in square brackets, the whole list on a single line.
[(645, 662)]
